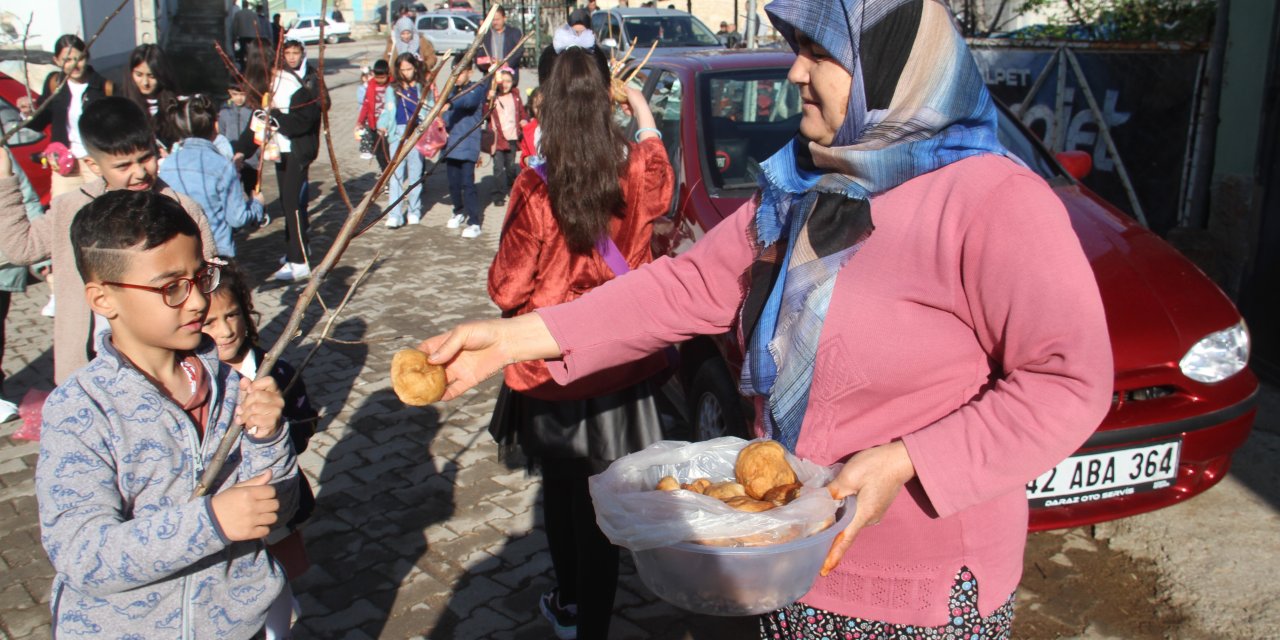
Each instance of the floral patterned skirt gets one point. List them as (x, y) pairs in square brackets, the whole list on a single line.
[(801, 621)]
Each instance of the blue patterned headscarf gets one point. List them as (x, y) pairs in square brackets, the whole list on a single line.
[(917, 103)]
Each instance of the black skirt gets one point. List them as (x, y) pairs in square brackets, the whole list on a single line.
[(600, 429)]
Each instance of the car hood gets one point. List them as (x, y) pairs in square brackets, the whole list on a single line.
[(1158, 303)]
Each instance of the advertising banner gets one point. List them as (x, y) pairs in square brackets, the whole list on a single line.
[(1148, 99)]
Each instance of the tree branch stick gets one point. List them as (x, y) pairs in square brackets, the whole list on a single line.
[(36, 111), (341, 241)]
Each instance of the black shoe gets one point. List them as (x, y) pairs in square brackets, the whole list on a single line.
[(499, 202), (564, 619)]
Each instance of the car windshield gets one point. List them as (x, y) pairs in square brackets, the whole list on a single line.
[(748, 115), (669, 31)]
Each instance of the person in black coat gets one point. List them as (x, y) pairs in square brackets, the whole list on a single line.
[(296, 103), (498, 43)]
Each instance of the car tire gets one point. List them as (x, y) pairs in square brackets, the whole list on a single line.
[(333, 39), (715, 406)]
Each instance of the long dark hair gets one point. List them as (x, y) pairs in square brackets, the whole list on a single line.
[(417, 69), (585, 149), (235, 283), (164, 128), (154, 57)]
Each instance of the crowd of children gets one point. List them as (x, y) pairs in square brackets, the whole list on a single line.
[(155, 320)]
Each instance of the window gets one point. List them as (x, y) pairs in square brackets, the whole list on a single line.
[(665, 102), (749, 115), (10, 117), (462, 24), (439, 24), (669, 31)]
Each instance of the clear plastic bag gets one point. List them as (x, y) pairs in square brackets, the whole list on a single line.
[(636, 516)]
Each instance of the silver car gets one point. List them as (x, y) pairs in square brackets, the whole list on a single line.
[(449, 29), (674, 31)]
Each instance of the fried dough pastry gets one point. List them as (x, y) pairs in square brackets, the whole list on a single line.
[(762, 466), (668, 483), (726, 490), (783, 494), (416, 382), (697, 486), (744, 503)]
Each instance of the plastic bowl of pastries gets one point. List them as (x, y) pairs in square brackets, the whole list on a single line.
[(754, 572), (737, 581)]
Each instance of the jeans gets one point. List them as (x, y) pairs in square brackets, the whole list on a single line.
[(462, 188), (405, 174), (505, 170)]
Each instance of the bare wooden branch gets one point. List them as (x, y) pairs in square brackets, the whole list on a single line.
[(328, 325), (341, 241), (35, 112), (324, 115)]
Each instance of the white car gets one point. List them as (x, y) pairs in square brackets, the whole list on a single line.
[(307, 29)]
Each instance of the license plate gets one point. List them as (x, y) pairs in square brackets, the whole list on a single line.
[(1101, 475)]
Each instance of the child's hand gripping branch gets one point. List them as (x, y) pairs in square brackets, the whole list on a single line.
[(248, 510), (260, 411)]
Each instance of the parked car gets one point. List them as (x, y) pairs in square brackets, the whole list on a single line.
[(449, 29), (380, 13), (674, 31), (1184, 398), (26, 144), (307, 29)]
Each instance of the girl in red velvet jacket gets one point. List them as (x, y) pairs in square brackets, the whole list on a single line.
[(576, 221)]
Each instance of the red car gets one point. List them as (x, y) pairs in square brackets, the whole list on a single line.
[(1184, 397), (26, 145)]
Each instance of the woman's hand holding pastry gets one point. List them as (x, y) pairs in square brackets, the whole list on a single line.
[(473, 352)]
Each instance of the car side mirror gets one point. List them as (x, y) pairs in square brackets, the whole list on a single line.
[(1077, 163), (610, 43)]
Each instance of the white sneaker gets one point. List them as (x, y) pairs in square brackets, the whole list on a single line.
[(472, 231), (456, 221), (366, 156), (392, 223), (8, 411), (49, 308), (292, 272), (415, 219)]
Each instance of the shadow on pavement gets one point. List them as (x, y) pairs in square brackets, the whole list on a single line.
[(380, 490)]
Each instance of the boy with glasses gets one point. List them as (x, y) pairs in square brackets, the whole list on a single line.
[(122, 154), (125, 440)]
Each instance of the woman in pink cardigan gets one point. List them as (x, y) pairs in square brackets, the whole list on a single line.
[(947, 353)]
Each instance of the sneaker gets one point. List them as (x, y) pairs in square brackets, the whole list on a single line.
[(366, 156), (499, 201), (8, 411), (49, 308), (456, 221), (392, 223), (415, 219), (564, 620), (292, 272), (472, 231)]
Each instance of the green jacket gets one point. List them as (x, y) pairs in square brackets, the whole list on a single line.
[(13, 277)]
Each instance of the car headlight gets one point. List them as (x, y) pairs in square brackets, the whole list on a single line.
[(1218, 356)]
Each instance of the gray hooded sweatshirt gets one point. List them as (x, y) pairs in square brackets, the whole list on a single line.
[(134, 555)]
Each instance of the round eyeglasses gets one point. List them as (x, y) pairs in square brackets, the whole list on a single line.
[(175, 293)]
